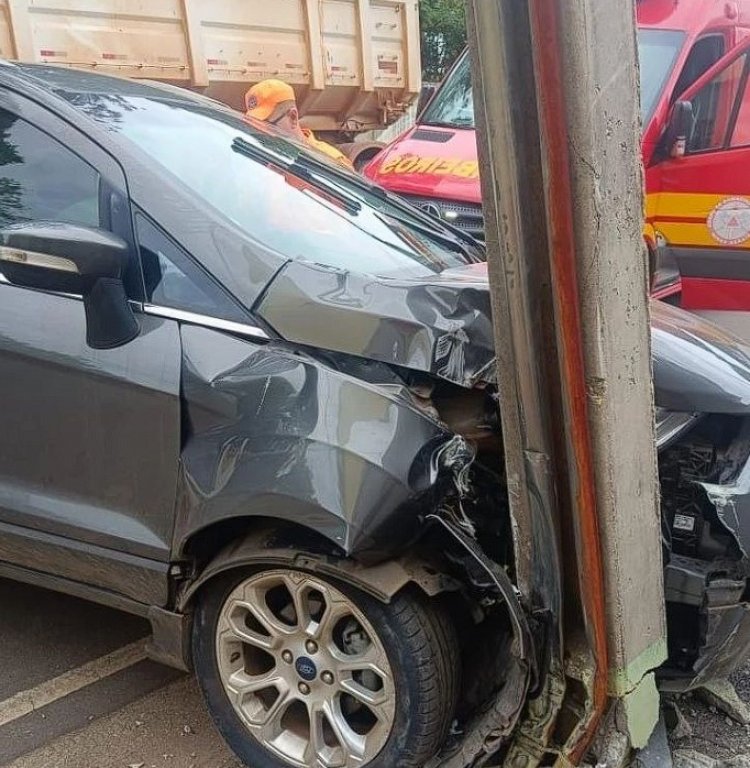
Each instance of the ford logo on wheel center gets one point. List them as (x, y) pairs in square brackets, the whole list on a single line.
[(306, 668)]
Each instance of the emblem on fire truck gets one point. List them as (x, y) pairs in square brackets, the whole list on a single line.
[(729, 222)]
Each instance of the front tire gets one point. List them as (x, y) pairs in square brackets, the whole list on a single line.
[(298, 670)]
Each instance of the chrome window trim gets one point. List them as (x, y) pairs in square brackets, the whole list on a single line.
[(180, 315), (205, 320)]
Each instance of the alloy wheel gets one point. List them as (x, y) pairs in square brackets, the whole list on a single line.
[(305, 670)]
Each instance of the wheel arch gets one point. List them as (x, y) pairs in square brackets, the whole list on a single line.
[(203, 544), (274, 543)]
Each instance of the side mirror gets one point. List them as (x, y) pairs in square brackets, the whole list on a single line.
[(679, 129), (79, 260), (425, 96)]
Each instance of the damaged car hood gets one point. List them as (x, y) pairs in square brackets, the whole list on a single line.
[(442, 325), (697, 365)]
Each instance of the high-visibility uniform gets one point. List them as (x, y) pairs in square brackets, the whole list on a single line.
[(326, 149)]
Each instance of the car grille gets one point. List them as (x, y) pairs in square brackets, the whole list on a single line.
[(465, 216)]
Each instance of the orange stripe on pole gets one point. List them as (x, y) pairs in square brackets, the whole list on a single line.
[(548, 62)]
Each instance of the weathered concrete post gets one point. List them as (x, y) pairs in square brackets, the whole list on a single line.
[(562, 183), (599, 66)]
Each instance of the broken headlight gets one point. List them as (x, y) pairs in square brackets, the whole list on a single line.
[(672, 424)]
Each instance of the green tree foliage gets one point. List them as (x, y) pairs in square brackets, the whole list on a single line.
[(443, 25)]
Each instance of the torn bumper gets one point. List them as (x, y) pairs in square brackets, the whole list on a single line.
[(707, 595), (732, 504), (493, 724), (723, 642)]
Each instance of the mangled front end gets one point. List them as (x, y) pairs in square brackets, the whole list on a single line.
[(370, 425), (702, 381)]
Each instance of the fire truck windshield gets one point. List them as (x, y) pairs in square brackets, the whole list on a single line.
[(453, 106), (658, 49)]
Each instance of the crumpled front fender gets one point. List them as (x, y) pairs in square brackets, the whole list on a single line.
[(276, 434)]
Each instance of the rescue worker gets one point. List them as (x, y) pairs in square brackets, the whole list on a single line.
[(274, 102)]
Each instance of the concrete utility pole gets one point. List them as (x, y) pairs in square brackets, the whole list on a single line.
[(556, 98)]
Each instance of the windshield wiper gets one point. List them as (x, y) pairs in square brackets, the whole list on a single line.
[(303, 166), (410, 216), (435, 235), (350, 204), (303, 169), (452, 124)]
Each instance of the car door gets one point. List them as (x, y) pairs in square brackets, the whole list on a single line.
[(89, 439), (699, 203)]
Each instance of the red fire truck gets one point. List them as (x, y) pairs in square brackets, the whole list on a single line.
[(695, 102)]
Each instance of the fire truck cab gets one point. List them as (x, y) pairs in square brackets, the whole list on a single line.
[(695, 106)]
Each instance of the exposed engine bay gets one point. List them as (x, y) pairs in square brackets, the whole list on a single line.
[(703, 461), (704, 475), (706, 565)]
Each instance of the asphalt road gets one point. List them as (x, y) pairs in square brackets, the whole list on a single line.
[(77, 692)]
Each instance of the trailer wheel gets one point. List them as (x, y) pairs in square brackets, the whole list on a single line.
[(361, 153), (300, 671)]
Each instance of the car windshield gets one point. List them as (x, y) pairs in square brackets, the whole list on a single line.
[(278, 193), (453, 104), (658, 50)]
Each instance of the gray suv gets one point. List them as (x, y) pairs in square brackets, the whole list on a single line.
[(250, 396)]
